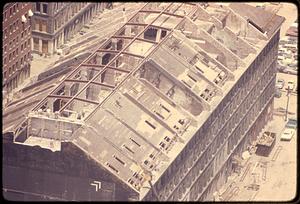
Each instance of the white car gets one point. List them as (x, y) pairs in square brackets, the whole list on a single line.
[(287, 134)]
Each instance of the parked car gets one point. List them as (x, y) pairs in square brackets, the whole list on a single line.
[(291, 123), (287, 134), (280, 83), (290, 85), (277, 93)]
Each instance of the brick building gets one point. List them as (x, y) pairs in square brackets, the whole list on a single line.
[(55, 23), (16, 53)]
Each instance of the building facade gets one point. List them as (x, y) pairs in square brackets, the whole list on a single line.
[(16, 40), (55, 23), (206, 162)]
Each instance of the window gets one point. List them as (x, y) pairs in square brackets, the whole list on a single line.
[(44, 46), (45, 8), (162, 144), (151, 125), (36, 44), (55, 25), (38, 7), (119, 160), (135, 142), (43, 26)]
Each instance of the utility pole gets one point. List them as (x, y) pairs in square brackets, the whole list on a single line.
[(287, 104)]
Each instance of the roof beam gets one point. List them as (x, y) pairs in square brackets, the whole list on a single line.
[(144, 24), (166, 13), (119, 53), (115, 57), (84, 61), (130, 38), (86, 81), (70, 97), (108, 67)]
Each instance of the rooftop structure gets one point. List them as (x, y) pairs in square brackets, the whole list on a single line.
[(135, 103)]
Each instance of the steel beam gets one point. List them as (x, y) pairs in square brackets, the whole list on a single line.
[(144, 24), (108, 67), (120, 52), (130, 38), (166, 13), (115, 57)]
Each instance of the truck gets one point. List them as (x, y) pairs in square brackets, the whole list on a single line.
[(265, 143)]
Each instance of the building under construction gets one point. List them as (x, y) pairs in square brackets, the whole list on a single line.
[(156, 113)]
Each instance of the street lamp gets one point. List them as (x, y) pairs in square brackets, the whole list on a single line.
[(288, 99)]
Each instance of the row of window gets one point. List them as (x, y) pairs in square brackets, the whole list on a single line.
[(41, 7), (14, 54), (15, 26), (13, 83), (40, 25), (13, 10), (241, 130), (69, 13), (16, 65), (227, 114), (14, 42), (270, 56)]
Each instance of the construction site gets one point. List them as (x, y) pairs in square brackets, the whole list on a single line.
[(168, 108)]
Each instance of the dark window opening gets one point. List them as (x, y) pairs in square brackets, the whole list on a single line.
[(113, 168), (45, 8), (162, 117), (162, 144), (119, 160), (106, 59), (38, 7), (150, 34), (56, 105), (119, 44), (151, 125), (128, 149), (135, 142), (163, 33), (192, 78), (165, 108)]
